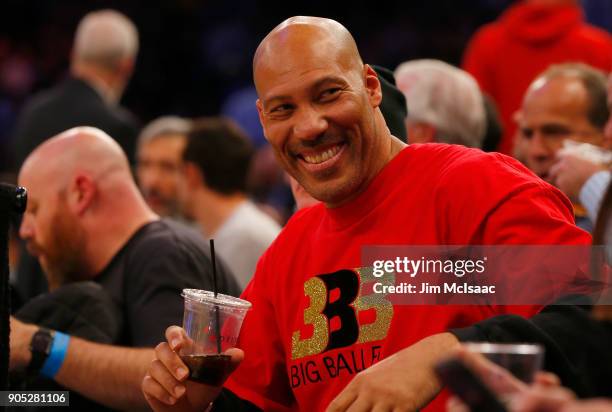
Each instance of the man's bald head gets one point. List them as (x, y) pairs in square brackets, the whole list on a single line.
[(83, 203), (81, 149), (71, 178), (302, 37), (579, 81)]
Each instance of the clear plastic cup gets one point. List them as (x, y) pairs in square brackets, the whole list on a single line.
[(213, 326), (523, 360)]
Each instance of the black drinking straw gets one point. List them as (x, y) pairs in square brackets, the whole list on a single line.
[(214, 268), (214, 265)]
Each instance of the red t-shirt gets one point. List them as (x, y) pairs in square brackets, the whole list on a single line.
[(507, 55), (428, 194)]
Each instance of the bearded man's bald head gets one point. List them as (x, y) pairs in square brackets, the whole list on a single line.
[(83, 149)]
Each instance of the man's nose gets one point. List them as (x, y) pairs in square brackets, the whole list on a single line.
[(310, 123)]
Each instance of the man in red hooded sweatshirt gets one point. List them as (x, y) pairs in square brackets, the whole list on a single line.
[(506, 55)]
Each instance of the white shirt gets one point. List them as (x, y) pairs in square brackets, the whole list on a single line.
[(243, 238)]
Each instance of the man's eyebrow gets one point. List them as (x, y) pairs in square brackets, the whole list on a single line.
[(554, 126), (328, 79), (314, 86), (271, 100)]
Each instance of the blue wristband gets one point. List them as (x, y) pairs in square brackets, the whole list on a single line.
[(56, 358)]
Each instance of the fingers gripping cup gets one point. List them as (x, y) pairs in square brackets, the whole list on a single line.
[(212, 324)]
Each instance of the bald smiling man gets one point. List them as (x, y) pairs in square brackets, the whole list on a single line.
[(315, 339), (86, 220)]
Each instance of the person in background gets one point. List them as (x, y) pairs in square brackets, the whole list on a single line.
[(444, 103), (102, 61), (506, 55), (584, 180), (87, 221), (216, 162), (566, 102), (159, 158)]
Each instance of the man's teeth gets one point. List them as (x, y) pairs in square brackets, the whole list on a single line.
[(321, 157)]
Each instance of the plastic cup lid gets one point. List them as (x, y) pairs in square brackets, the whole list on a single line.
[(208, 297)]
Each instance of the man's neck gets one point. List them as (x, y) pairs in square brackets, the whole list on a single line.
[(212, 209), (115, 226), (98, 80)]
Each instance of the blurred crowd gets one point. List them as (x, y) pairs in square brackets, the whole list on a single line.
[(165, 96)]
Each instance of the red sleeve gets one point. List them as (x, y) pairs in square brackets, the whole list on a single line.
[(534, 215), (516, 208), (504, 203), (261, 378), (527, 210)]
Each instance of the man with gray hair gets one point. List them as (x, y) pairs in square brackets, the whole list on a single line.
[(159, 154), (445, 103), (102, 62)]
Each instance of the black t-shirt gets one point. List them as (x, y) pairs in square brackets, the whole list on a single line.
[(146, 278)]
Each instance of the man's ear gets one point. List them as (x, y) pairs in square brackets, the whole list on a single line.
[(259, 106), (260, 113), (372, 85), (126, 67), (82, 193)]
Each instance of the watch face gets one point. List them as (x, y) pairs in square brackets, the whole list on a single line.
[(40, 346), (41, 341)]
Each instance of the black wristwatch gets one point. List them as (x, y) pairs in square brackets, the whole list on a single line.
[(40, 346)]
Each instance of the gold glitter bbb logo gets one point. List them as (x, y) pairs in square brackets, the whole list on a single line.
[(333, 313)]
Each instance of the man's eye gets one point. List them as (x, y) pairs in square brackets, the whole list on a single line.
[(280, 109), (527, 133), (330, 93), (556, 131), (168, 167)]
